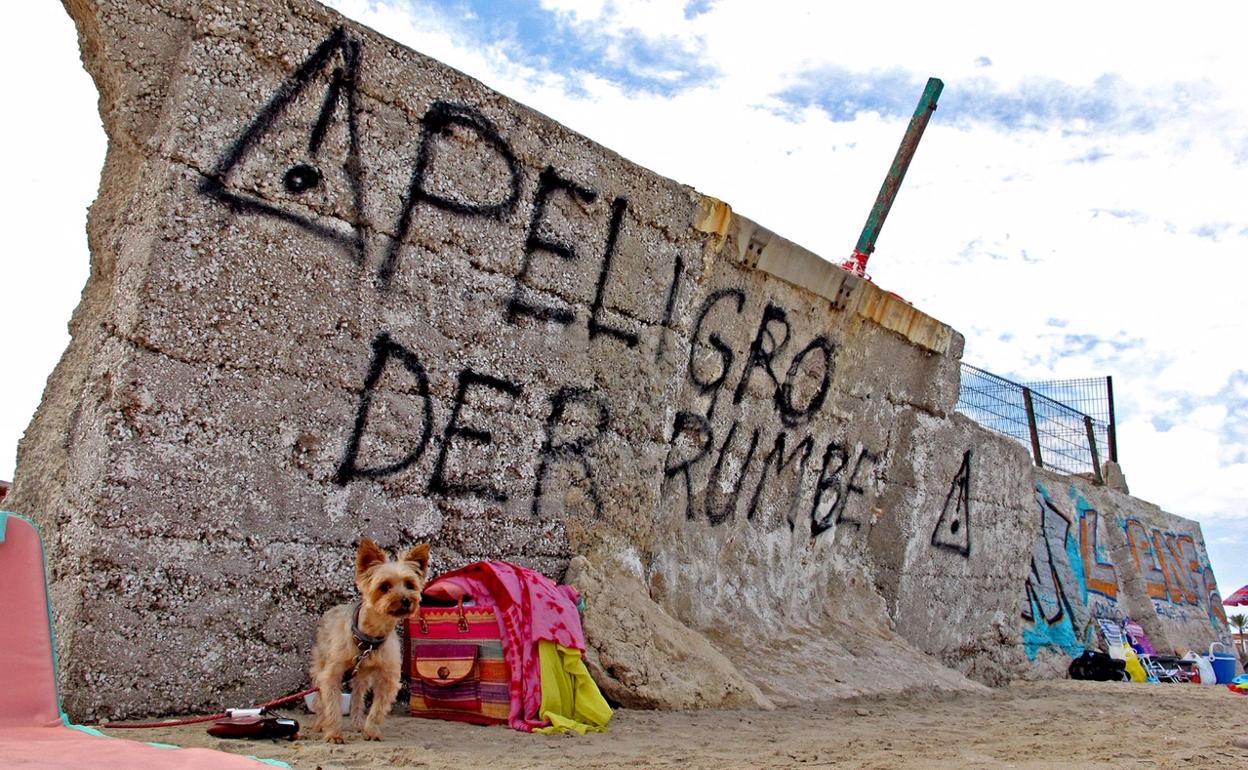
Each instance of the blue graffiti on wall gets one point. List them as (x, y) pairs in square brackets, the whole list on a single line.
[(1055, 595)]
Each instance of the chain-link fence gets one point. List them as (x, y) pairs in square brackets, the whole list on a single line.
[(1043, 417)]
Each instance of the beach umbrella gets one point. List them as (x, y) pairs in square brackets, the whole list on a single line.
[(1237, 599)]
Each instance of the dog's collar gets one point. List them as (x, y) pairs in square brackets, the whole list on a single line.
[(363, 639)]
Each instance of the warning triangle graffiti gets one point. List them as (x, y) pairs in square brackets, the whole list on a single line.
[(953, 529), (299, 159)]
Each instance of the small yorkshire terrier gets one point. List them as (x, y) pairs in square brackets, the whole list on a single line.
[(359, 641)]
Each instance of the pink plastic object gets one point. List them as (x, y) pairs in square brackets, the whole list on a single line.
[(32, 732), (857, 264), (28, 689)]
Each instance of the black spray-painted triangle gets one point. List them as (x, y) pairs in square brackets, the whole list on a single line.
[(329, 146), (953, 529)]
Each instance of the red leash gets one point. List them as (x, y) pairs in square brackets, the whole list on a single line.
[(211, 718)]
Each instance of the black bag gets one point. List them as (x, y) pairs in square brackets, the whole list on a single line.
[(1097, 666)]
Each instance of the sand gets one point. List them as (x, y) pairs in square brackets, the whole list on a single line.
[(1027, 725)]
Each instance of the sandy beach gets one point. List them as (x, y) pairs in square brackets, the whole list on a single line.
[(1027, 725)]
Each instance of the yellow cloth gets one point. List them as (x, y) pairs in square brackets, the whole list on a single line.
[(1134, 668), (570, 699)]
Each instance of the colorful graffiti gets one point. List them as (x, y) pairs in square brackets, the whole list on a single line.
[(1073, 579), (1173, 573), (1098, 571), (1055, 595)]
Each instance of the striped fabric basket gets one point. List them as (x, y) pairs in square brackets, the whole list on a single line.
[(457, 670)]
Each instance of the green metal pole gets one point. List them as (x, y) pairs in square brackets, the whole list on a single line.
[(892, 183)]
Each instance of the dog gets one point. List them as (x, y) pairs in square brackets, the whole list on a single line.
[(358, 640)]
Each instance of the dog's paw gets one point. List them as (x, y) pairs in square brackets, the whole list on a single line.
[(334, 738), (371, 735)]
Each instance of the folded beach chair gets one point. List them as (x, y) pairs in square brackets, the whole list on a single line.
[(1118, 649), (1164, 668), (1112, 638), (34, 732)]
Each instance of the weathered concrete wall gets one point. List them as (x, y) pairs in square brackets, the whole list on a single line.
[(1102, 554), (339, 289), (947, 556)]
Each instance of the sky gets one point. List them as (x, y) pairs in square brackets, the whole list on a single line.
[(1077, 206)]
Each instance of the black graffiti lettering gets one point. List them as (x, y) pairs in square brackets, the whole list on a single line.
[(320, 100), (764, 349), (729, 505), (829, 482), (573, 450), (790, 414), (384, 348), (438, 122), (1048, 591), (688, 423), (953, 528), (302, 177), (725, 353), (668, 309), (852, 487), (328, 107), (596, 325), (1029, 602), (438, 483), (777, 459), (1032, 598), (547, 184)]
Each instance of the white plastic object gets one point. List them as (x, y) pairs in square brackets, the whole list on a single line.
[(252, 712), (309, 700), (1203, 667)]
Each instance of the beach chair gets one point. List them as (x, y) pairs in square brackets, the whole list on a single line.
[(1162, 668), (34, 731), (1112, 638), (1116, 646)]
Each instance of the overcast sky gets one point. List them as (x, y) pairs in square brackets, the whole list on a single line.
[(1076, 207)]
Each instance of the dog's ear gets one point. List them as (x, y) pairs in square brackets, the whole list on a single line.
[(368, 555), (418, 555)]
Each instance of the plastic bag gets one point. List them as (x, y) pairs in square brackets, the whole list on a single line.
[(1203, 667)]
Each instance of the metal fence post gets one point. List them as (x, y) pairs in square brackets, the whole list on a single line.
[(1031, 425), (1096, 460), (1112, 431)]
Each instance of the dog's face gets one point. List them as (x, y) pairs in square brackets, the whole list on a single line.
[(389, 587)]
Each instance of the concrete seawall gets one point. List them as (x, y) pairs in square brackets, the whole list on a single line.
[(339, 289)]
